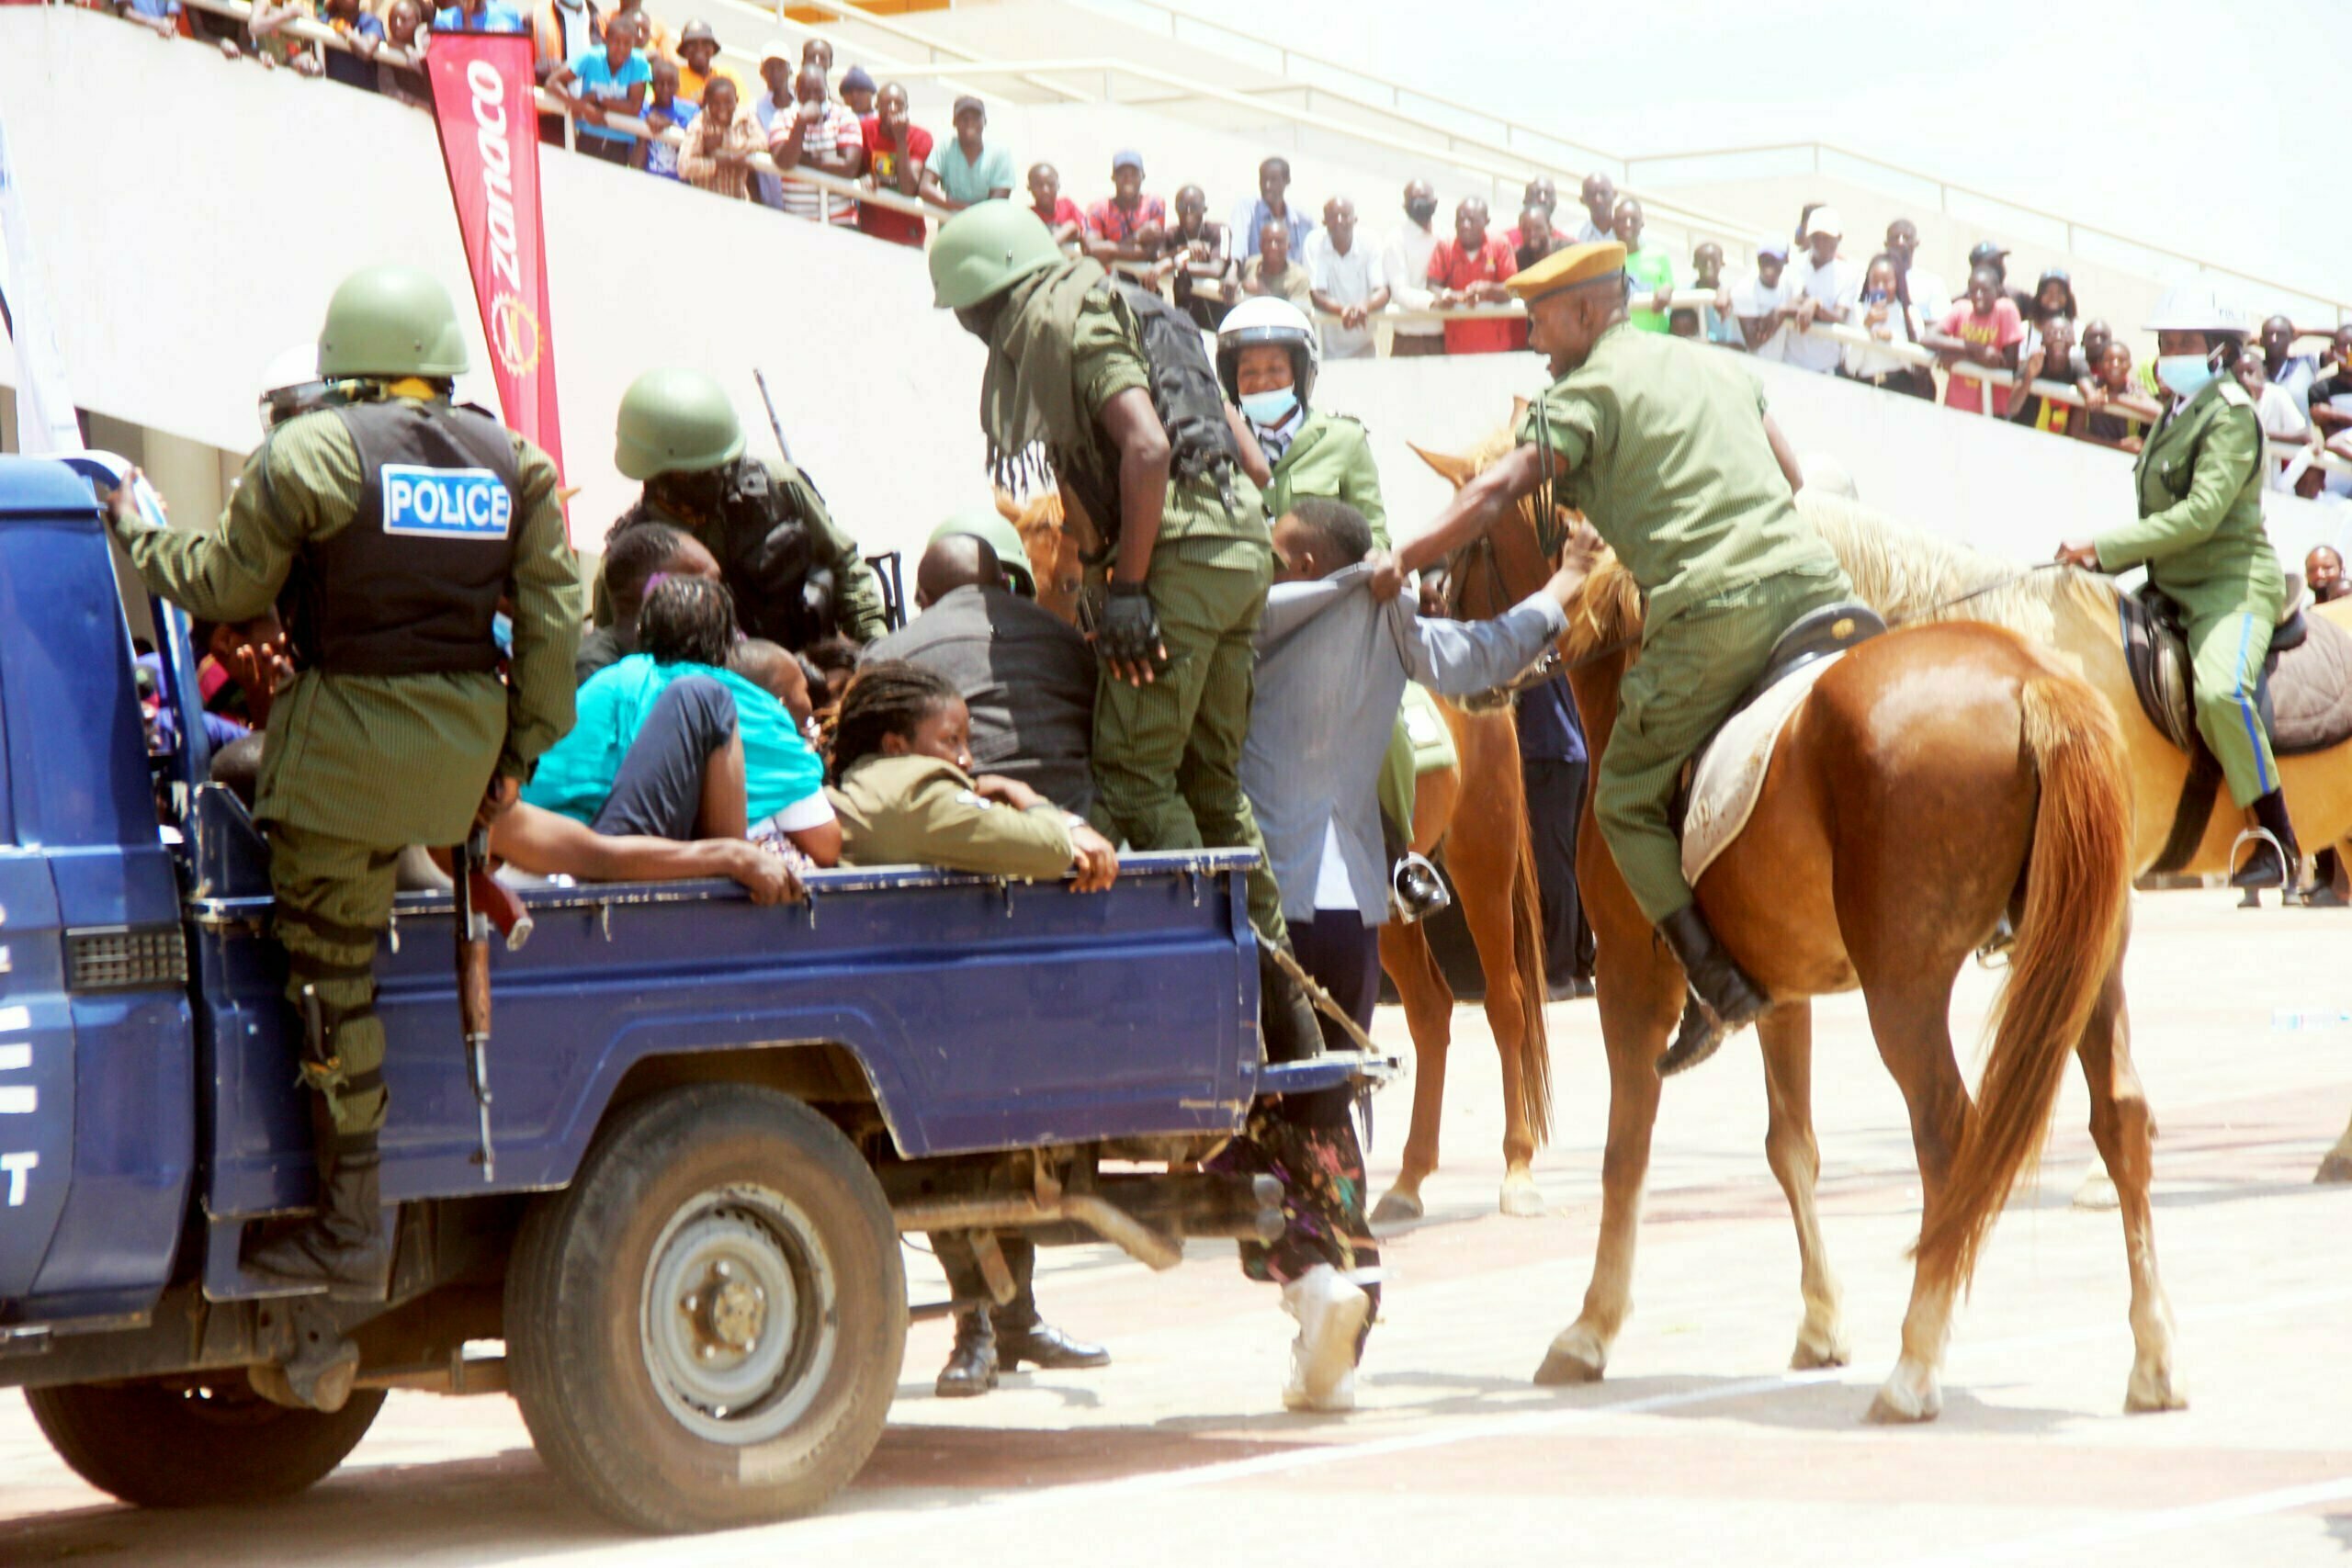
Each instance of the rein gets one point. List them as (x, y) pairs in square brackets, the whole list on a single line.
[(2011, 580)]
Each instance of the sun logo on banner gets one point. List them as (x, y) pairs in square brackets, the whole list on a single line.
[(514, 335)]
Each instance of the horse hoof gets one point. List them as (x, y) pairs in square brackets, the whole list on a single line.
[(1396, 1209), (1886, 1412), (2154, 1390), (1560, 1369), (2097, 1193), (1812, 1354), (1520, 1199), (2334, 1168), (1909, 1394)]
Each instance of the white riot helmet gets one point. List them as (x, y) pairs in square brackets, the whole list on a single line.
[(1263, 319), (2195, 308)]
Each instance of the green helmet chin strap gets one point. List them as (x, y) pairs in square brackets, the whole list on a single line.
[(986, 249), (390, 321), (676, 422)]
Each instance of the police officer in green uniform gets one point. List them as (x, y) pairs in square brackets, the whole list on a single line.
[(796, 575), (1105, 388), (2199, 534), (384, 524), (1266, 360), (1668, 451)]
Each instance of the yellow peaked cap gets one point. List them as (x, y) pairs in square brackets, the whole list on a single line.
[(1586, 263)]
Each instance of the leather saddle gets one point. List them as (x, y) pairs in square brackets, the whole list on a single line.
[(1809, 639), (2304, 694)]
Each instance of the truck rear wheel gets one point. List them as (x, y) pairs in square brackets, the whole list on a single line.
[(165, 1447), (706, 1327)]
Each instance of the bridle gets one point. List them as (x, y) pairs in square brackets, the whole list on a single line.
[(1478, 557)]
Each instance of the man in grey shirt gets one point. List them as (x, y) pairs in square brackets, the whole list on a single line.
[(1027, 678), (1332, 663)]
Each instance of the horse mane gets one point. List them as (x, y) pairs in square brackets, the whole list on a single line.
[(1908, 574), (1606, 610)]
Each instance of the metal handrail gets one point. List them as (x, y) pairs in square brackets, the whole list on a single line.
[(1285, 53), (889, 63), (553, 103), (932, 44)]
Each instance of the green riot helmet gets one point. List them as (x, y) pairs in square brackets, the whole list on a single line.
[(985, 250), (1000, 535), (676, 422), (389, 322)]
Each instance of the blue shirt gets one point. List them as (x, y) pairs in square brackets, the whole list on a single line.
[(575, 776), (608, 84), (1247, 221), (1549, 728), (661, 157), (497, 17)]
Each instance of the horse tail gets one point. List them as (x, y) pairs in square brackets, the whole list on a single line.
[(1527, 968), (2077, 877)]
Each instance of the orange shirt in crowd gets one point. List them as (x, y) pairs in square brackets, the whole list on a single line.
[(1453, 267)]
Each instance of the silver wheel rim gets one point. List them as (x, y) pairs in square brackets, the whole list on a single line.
[(738, 1317)]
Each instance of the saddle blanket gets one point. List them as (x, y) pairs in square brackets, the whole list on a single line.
[(1729, 774), (1424, 728)]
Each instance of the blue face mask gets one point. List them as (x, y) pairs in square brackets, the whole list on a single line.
[(2185, 375), (1267, 409)]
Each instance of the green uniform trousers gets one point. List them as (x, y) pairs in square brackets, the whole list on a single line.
[(2226, 652), (1693, 667), (1168, 755), (1396, 790), (335, 899)]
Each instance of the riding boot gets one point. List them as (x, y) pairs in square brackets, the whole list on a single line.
[(1043, 1345), (1285, 1017), (1723, 999), (2271, 865), (343, 1246), (971, 1366), (1415, 889)]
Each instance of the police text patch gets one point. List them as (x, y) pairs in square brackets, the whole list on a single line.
[(444, 503)]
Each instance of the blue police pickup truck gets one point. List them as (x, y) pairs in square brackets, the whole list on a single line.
[(712, 1120)]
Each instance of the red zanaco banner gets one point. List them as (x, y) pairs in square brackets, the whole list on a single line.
[(490, 139)]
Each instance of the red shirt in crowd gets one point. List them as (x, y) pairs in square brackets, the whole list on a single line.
[(882, 158), (1106, 220), (1453, 267), (1065, 211)]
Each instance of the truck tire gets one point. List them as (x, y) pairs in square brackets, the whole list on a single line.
[(165, 1447), (705, 1329)]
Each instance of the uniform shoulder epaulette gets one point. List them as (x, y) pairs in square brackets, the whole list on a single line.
[(2234, 391)]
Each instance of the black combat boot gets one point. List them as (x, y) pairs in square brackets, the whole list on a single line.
[(343, 1246), (2271, 865), (971, 1367), (1723, 999), (1285, 1017), (1042, 1345), (1415, 889)]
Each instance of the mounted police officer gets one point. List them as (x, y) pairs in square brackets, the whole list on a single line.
[(1666, 449), (1104, 387), (1266, 360), (385, 524), (2199, 534), (796, 575)]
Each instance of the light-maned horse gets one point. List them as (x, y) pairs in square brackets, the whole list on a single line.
[(1906, 573), (1490, 856), (1935, 779)]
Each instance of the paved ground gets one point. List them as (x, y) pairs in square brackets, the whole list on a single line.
[(1698, 1448)]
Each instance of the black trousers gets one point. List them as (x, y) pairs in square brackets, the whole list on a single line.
[(964, 1277), (1554, 807), (1342, 953)]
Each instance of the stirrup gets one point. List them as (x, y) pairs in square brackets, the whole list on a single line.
[(2253, 890)]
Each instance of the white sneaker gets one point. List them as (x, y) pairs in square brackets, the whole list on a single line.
[(1331, 1310)]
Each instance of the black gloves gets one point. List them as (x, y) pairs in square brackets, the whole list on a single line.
[(1130, 631)]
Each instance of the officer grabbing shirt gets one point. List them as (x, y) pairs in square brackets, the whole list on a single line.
[(796, 575), (384, 527)]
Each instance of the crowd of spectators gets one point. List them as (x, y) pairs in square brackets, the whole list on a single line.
[(1443, 285)]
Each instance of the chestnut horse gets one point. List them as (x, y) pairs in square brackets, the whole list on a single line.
[(1958, 758), (1906, 573), (1491, 859)]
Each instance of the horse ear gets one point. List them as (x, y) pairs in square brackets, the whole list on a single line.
[(1456, 471), (1006, 507)]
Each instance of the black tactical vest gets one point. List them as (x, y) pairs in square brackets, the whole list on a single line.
[(410, 586)]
